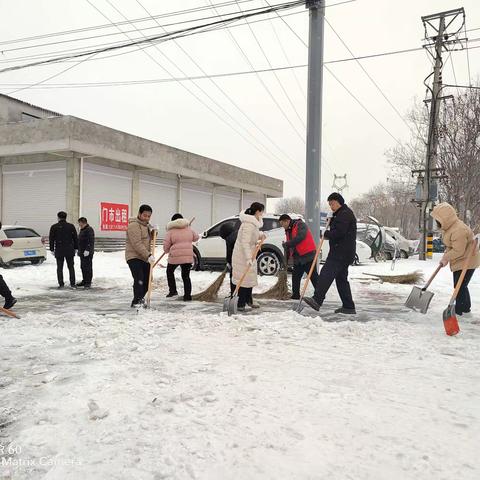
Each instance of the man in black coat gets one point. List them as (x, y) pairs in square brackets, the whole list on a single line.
[(86, 247), (64, 243), (342, 237), (229, 232)]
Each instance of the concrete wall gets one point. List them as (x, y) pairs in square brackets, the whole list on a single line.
[(90, 139), (12, 110)]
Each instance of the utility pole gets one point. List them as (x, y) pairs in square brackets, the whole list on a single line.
[(314, 116), (430, 175), (339, 188)]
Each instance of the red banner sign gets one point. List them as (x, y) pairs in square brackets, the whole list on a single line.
[(113, 216)]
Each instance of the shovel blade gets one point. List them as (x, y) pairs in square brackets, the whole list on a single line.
[(450, 321), (419, 300), (230, 305)]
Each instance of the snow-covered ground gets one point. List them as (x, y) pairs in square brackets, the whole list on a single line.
[(91, 390)]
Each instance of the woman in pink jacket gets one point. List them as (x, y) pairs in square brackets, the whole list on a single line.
[(178, 244)]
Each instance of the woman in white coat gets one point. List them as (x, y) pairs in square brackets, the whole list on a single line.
[(248, 236)]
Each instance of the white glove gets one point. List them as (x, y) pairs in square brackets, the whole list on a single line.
[(330, 215), (250, 263), (86, 253), (151, 259), (156, 228)]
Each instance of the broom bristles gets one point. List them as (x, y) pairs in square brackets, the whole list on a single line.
[(279, 291), (211, 293), (406, 279)]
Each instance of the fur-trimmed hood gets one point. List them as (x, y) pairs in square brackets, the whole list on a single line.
[(178, 223), (245, 218)]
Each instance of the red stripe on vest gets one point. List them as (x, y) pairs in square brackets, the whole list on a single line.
[(307, 245)]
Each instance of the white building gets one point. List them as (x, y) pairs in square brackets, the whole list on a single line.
[(51, 162)]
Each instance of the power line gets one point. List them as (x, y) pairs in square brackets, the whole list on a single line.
[(469, 87), (269, 93), (377, 86), (162, 38), (114, 24), (289, 63), (280, 83), (189, 90), (229, 98), (345, 87), (197, 77)]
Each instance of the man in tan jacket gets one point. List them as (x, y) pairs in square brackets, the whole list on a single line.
[(138, 253), (458, 239)]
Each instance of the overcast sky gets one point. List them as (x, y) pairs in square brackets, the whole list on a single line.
[(260, 137)]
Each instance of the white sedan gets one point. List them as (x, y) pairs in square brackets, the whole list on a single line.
[(19, 244)]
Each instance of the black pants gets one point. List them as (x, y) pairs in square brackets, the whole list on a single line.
[(463, 303), (71, 269), (4, 290), (141, 274), (338, 271), (187, 284), (298, 270), (232, 285), (245, 296), (86, 264)]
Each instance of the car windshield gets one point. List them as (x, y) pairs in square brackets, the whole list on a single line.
[(20, 233)]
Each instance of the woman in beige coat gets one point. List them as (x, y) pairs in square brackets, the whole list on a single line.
[(248, 236), (458, 239)]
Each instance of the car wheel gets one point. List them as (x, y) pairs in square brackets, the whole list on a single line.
[(268, 264), (38, 261), (196, 261), (403, 254), (388, 256), (379, 257)]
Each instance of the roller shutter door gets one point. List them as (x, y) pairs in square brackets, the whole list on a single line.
[(161, 195), (249, 198), (33, 194), (197, 202), (104, 184), (226, 205)]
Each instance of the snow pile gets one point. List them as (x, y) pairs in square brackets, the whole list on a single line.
[(91, 390)]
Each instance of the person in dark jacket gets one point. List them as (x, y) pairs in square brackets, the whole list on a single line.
[(301, 245), (86, 247), (229, 232), (342, 237), (5, 292), (64, 243)]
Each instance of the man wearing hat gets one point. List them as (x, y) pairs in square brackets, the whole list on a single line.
[(342, 236)]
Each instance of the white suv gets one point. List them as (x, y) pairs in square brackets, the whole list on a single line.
[(20, 244), (210, 250)]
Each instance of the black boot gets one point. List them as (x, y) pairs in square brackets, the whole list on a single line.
[(172, 294), (9, 303), (346, 311), (81, 284)]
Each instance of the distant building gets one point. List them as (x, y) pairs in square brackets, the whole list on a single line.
[(51, 162)]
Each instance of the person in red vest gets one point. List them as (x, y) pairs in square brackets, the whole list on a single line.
[(301, 245)]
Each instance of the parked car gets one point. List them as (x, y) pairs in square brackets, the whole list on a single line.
[(209, 251), (402, 243), (19, 244)]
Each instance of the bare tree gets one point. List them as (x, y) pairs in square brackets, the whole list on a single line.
[(290, 205), (458, 152)]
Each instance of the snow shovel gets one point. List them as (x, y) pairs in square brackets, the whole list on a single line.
[(419, 298), (230, 304), (150, 277), (449, 316), (298, 308)]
